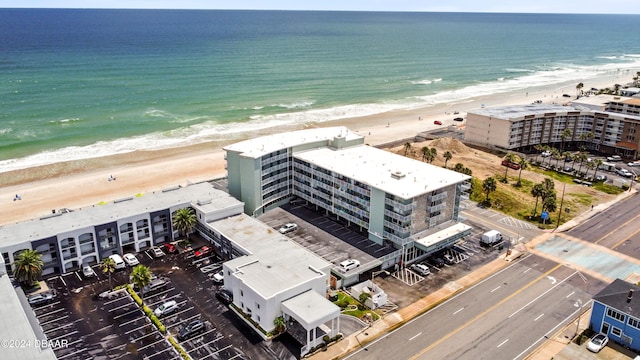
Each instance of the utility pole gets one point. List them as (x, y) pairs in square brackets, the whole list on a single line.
[(561, 202)]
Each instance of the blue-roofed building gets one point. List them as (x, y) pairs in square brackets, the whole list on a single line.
[(616, 313)]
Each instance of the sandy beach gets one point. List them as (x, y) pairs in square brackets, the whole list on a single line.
[(85, 183)]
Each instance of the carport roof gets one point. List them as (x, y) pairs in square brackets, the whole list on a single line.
[(447, 233), (310, 309)]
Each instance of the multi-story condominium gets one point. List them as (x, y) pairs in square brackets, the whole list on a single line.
[(67, 240), (607, 124), (398, 201)]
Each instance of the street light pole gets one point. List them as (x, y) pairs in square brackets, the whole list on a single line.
[(578, 304)]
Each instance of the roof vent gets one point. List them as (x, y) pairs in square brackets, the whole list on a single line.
[(630, 295), (398, 174)]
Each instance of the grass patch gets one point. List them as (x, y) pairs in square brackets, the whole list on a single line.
[(350, 306), (583, 199), (608, 188)]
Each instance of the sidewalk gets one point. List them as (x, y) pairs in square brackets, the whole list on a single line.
[(551, 349)]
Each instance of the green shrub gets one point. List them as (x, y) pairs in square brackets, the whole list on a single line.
[(179, 348)]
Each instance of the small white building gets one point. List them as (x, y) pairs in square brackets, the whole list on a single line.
[(277, 277)]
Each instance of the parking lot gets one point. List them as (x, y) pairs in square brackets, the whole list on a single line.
[(94, 328)]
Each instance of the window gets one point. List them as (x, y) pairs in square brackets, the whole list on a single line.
[(615, 331), (634, 322), (241, 293), (615, 314)]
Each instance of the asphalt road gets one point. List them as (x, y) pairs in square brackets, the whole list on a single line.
[(616, 228), (504, 316)]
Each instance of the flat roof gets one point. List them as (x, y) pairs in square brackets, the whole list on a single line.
[(275, 263), (397, 175), (60, 223), (600, 100), (446, 233), (255, 148), (517, 112), (15, 325), (311, 308)]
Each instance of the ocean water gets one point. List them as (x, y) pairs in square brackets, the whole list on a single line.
[(83, 83)]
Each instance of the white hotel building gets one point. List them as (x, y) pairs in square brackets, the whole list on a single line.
[(398, 201)]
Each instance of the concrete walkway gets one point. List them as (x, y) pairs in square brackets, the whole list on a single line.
[(548, 350)]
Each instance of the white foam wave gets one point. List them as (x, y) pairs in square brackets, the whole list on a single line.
[(64, 121), (5, 131), (500, 79), (518, 70), (296, 105), (213, 130), (422, 82), (437, 80)]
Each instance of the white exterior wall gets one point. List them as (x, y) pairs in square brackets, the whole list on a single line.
[(75, 234)]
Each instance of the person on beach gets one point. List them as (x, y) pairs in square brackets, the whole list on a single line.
[(17, 197)]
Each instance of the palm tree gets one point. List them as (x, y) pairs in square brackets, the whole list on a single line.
[(488, 186), (184, 220), (537, 191), (27, 267), (425, 152), (566, 133), (597, 164), (447, 156), (590, 166), (279, 323), (407, 147), (510, 158), (555, 153), (141, 277), (539, 148), (582, 156), (579, 89), (108, 266), (459, 167), (523, 165), (434, 153)]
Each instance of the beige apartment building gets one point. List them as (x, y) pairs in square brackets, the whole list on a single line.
[(604, 123)]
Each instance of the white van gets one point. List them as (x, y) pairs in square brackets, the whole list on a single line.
[(117, 259)]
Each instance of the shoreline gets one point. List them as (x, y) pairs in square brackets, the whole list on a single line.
[(82, 183)]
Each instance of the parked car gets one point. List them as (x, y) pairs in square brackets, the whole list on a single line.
[(112, 294), (624, 172), (218, 277), (566, 95), (224, 296), (614, 158), (166, 308), (287, 228), (87, 271), (170, 248), (436, 261), (157, 252), (192, 328), (568, 169), (421, 269), (597, 342), (458, 119), (437, 122), (349, 264), (41, 298), (203, 251), (130, 259), (546, 153), (154, 285), (601, 177), (117, 259)]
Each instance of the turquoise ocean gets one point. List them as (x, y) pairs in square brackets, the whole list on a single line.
[(76, 84)]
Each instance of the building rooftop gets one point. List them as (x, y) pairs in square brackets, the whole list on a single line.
[(311, 309), (397, 175), (616, 295), (275, 263), (255, 148), (59, 223), (596, 102), (517, 112)]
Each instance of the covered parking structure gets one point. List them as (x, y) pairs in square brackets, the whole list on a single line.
[(311, 311), (443, 238)]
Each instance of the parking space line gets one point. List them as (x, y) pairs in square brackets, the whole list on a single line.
[(121, 307), (130, 321), (64, 336), (152, 344), (67, 345), (56, 319), (144, 336), (60, 326), (127, 313), (46, 306), (213, 353), (55, 311), (160, 352)]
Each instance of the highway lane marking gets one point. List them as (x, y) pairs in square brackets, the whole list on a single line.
[(539, 316), (543, 294), (457, 311), (482, 314), (568, 296), (617, 229), (502, 343), (624, 240), (553, 280), (527, 270), (496, 288), (415, 336)]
